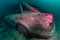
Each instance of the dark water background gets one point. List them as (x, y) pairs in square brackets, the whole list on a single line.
[(11, 6)]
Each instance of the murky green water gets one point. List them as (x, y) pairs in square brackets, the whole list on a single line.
[(10, 6)]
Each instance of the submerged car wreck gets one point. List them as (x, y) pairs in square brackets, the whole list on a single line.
[(32, 24)]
